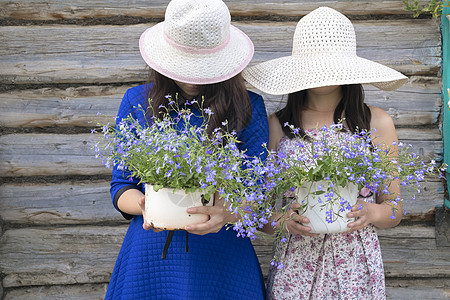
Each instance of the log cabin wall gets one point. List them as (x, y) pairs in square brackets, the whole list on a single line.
[(63, 62)]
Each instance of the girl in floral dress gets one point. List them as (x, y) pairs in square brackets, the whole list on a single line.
[(323, 78)]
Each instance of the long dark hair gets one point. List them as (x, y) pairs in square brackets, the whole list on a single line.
[(228, 100), (357, 113)]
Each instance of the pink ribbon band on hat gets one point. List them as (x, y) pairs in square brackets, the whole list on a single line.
[(194, 50), (186, 79)]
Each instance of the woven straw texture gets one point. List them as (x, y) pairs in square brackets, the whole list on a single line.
[(196, 43), (323, 54)]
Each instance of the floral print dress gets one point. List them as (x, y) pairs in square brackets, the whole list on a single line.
[(328, 266)]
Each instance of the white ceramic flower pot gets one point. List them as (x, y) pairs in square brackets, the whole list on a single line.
[(166, 209), (316, 210)]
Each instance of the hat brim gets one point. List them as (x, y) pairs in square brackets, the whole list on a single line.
[(196, 68), (290, 74)]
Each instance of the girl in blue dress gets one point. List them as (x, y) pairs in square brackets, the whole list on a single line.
[(195, 52)]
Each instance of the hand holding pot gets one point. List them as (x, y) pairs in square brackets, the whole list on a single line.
[(218, 217), (146, 225), (295, 224), (360, 211)]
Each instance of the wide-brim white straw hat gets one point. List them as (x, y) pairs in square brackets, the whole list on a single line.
[(323, 54), (196, 43)]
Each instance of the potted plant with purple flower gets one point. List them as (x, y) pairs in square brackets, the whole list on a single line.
[(327, 172), (183, 166)]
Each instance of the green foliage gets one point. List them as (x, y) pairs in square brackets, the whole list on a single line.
[(333, 157), (433, 7), (176, 151)]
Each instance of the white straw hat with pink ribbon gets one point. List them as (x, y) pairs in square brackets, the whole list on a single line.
[(323, 54), (196, 43)]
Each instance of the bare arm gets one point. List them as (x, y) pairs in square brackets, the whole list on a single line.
[(381, 214), (132, 202), (129, 202)]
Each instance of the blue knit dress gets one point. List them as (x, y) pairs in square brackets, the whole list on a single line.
[(217, 266)]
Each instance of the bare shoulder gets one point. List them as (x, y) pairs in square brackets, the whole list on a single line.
[(275, 132), (383, 124), (380, 118)]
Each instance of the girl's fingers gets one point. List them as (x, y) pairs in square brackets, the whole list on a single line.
[(294, 223), (213, 225), (358, 210), (293, 215), (358, 223), (210, 226), (360, 205), (199, 229), (141, 202), (299, 228), (353, 214), (303, 220), (207, 210), (295, 206), (146, 226)]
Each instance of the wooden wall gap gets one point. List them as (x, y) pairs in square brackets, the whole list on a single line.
[(101, 179), (116, 20), (62, 86)]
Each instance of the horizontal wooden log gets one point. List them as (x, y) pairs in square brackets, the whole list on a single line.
[(69, 255), (425, 134), (64, 203), (418, 231), (87, 54), (399, 237), (412, 105), (78, 9), (418, 293), (416, 263), (90, 203), (441, 283), (422, 206), (417, 288), (419, 256), (71, 107), (97, 291), (62, 154), (49, 154), (86, 255), (66, 292)]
